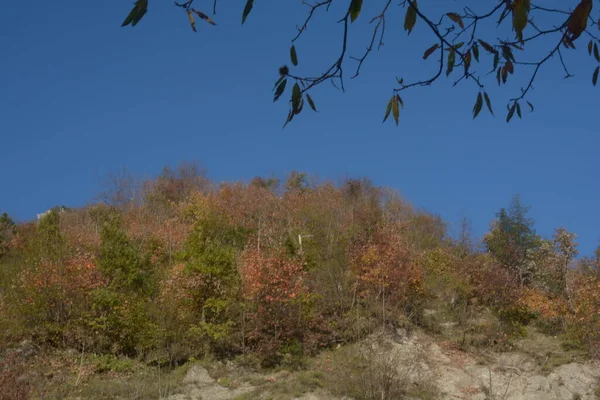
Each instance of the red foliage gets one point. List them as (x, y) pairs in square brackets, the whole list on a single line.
[(274, 285), (272, 279)]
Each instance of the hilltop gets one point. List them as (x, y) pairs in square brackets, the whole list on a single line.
[(179, 286)]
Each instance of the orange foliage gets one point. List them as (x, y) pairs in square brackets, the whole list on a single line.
[(384, 265), (76, 276), (274, 278), (537, 301)]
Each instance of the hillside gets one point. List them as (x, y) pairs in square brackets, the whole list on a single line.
[(178, 288)]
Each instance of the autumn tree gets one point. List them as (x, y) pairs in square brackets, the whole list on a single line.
[(510, 36), (175, 184), (512, 239), (566, 251), (7, 231)]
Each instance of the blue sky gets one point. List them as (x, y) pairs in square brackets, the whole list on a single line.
[(82, 97)]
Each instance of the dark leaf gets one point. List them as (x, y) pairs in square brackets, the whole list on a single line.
[(280, 89), (300, 106), (504, 14), (296, 97), (293, 55), (578, 20), (430, 51), (596, 53), (510, 67), (519, 110), (311, 103), (595, 76), (247, 9), (400, 101), (467, 60), (411, 16), (507, 53), (137, 13), (478, 105), (496, 60), (282, 77), (498, 72), (456, 18), (488, 47), (451, 61), (511, 112), (504, 73), (590, 46), (488, 102), (355, 7), (289, 118), (475, 49)]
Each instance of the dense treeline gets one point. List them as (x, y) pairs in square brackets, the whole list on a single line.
[(180, 267)]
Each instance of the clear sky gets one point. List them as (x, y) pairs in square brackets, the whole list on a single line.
[(80, 97)]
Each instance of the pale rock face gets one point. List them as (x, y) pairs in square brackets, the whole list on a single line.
[(457, 375)]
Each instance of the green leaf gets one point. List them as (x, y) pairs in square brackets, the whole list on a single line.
[(521, 10), (293, 55), (388, 109), (247, 9), (289, 118), (595, 76), (280, 89), (519, 110), (451, 61), (456, 18), (355, 7), (596, 53), (430, 51), (511, 112), (296, 97), (475, 51), (530, 106), (396, 108), (137, 13), (411, 17), (488, 102), (311, 103), (478, 105)]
